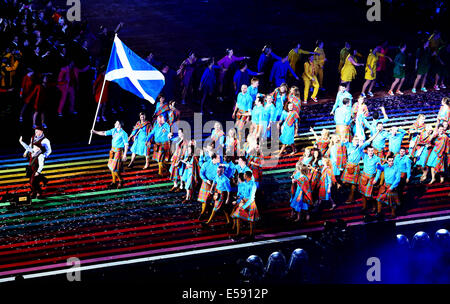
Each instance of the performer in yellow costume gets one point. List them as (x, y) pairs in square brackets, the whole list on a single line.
[(371, 70), (319, 61), (345, 51), (309, 78), (348, 72)]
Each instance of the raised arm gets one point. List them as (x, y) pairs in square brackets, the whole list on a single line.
[(383, 110), (314, 133), (276, 57), (27, 147), (371, 139)]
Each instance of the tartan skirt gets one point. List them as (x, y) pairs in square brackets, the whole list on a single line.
[(176, 171), (388, 197), (314, 178), (323, 190), (422, 155), (219, 198), (250, 214), (366, 184), (203, 194), (161, 151), (351, 174), (257, 173), (436, 162), (241, 120), (343, 131), (115, 159)]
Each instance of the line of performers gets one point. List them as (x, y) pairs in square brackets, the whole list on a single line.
[(229, 169)]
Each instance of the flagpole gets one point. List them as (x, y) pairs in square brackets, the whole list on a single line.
[(98, 107), (101, 95)]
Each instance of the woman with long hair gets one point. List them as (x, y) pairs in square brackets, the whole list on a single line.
[(294, 98), (315, 170), (231, 143), (279, 97), (301, 196), (326, 183), (289, 128)]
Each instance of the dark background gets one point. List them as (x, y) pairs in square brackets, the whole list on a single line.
[(171, 28)]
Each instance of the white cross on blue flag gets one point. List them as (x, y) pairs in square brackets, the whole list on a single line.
[(132, 73)]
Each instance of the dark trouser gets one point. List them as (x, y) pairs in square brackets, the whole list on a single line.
[(401, 187), (35, 183)]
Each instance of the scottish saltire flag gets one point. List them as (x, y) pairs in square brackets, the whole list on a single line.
[(133, 73)]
